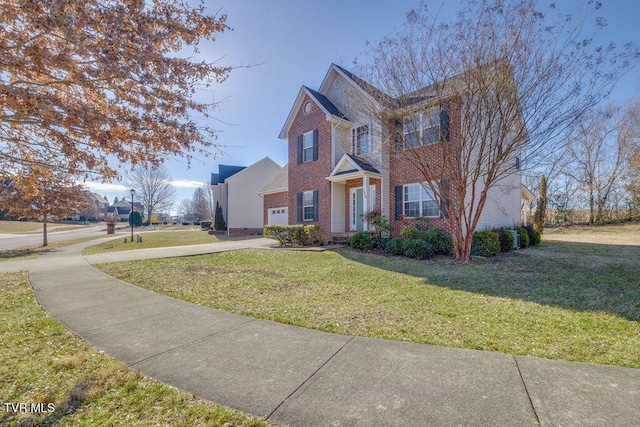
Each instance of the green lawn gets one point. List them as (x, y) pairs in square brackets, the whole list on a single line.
[(154, 239), (567, 300), (43, 363)]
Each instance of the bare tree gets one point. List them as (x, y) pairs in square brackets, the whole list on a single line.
[(468, 103), (185, 208), (152, 185), (599, 149), (202, 203)]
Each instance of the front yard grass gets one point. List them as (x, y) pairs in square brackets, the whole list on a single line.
[(562, 300), (43, 363), (154, 239)]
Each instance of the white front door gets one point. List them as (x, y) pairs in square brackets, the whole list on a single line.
[(357, 207)]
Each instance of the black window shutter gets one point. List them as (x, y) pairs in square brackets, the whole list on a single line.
[(299, 207), (444, 198), (398, 190), (444, 123), (300, 148), (315, 144), (315, 205), (353, 142), (399, 134)]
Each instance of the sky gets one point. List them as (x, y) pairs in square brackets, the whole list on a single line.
[(290, 43)]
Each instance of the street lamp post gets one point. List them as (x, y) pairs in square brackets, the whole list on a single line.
[(131, 214)]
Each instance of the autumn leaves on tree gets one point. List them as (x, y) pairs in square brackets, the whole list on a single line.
[(88, 84)]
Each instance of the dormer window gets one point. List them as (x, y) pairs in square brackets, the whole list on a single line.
[(362, 140)]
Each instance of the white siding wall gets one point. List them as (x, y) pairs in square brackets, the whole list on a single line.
[(502, 208), (245, 207)]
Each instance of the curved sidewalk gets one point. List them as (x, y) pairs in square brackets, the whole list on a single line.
[(299, 377)]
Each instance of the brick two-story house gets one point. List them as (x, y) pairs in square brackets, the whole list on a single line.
[(340, 166)]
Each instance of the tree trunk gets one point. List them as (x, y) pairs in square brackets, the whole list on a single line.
[(44, 232)]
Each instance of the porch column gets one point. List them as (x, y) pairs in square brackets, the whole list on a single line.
[(365, 198)]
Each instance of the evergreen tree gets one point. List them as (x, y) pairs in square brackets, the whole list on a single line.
[(219, 223), (540, 213)]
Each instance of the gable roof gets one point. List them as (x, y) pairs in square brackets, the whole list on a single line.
[(324, 102), (330, 110), (224, 172), (263, 161), (350, 166), (278, 184)]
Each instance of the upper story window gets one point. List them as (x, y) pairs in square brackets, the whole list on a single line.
[(362, 140), (418, 201), (422, 128), (308, 147)]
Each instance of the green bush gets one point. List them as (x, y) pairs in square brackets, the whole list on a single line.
[(395, 246), (524, 237), (533, 239), (536, 239), (440, 241), (417, 248), (412, 233), (361, 241), (485, 243), (505, 238), (136, 218), (295, 235)]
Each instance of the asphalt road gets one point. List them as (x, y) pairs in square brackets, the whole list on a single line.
[(15, 241)]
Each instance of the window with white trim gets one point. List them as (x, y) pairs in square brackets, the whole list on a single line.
[(307, 206), (418, 201), (307, 147), (362, 140), (422, 128)]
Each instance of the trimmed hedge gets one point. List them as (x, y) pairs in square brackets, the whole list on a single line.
[(505, 238), (524, 237), (295, 235), (441, 241), (485, 244), (362, 241), (395, 246), (417, 248)]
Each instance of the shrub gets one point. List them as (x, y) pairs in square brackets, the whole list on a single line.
[(295, 235), (412, 233), (536, 239), (441, 241), (417, 248), (505, 238), (485, 243), (361, 240), (395, 246), (531, 233), (524, 237)]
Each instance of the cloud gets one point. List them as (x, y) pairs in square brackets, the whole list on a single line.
[(185, 183), (104, 186)]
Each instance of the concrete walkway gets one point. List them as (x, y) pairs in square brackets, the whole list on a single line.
[(298, 377)]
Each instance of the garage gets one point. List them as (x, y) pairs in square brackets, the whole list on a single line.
[(278, 216)]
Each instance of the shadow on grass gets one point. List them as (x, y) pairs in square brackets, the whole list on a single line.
[(574, 276), (23, 252)]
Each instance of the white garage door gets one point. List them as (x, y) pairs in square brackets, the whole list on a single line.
[(278, 216)]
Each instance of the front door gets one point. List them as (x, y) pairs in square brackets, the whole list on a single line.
[(357, 207)]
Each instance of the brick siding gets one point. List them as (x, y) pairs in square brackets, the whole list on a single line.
[(311, 175)]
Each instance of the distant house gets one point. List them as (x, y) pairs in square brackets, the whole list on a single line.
[(122, 209), (97, 210), (238, 194)]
